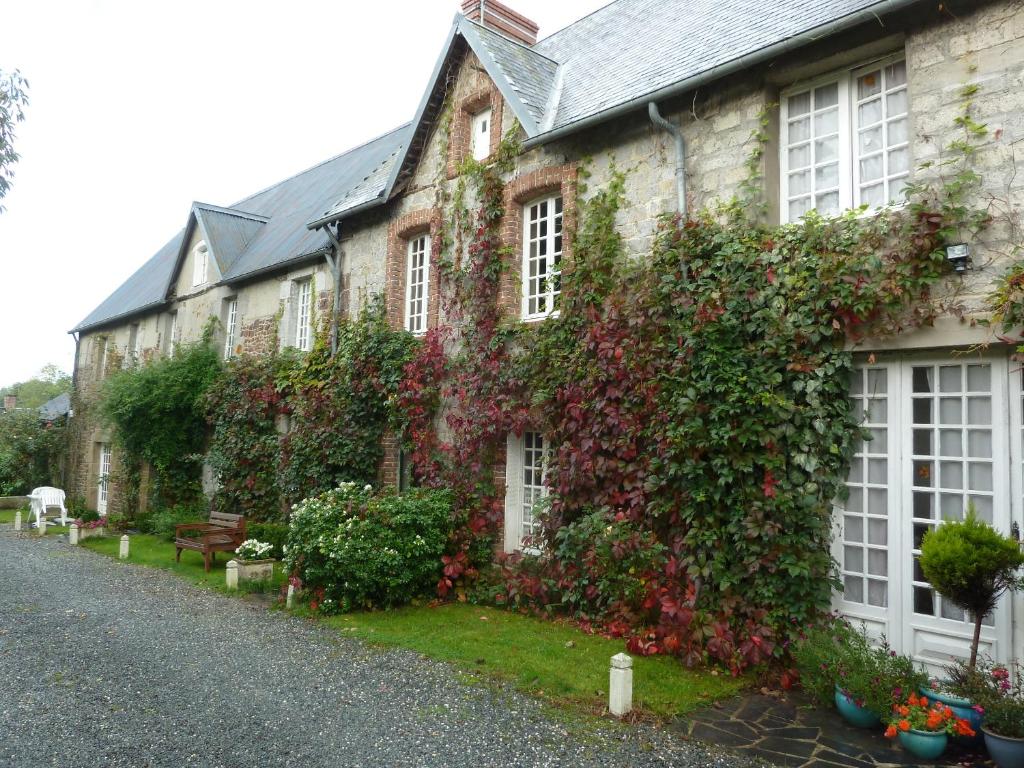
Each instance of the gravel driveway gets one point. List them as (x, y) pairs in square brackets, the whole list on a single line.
[(107, 664)]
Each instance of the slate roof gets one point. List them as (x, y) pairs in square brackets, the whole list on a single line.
[(620, 54), (261, 232), (55, 408), (630, 48)]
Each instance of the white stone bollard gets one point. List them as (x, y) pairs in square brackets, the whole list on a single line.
[(73, 534), (122, 551), (17, 520), (291, 596), (231, 574), (42, 526), (620, 685)]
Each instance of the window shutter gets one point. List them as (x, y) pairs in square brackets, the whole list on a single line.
[(513, 493)]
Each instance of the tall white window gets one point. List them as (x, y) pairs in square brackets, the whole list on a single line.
[(844, 141), (135, 342), (102, 493), (525, 488), (303, 315), (542, 256), (200, 264), (417, 284), (480, 128), (230, 323), (101, 357), (172, 333)]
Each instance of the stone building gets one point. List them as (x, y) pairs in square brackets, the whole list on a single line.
[(867, 90)]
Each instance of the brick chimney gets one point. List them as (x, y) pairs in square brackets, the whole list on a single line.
[(10, 401), (502, 19)]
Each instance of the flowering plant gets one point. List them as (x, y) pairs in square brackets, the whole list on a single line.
[(997, 691), (250, 549), (89, 520), (918, 713)]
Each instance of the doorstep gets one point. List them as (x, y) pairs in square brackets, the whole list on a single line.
[(789, 731)]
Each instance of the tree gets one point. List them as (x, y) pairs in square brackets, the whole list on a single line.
[(13, 100), (46, 385)]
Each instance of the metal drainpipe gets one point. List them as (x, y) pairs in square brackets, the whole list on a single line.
[(677, 134)]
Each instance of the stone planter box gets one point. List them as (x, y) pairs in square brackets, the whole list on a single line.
[(88, 533), (255, 570)]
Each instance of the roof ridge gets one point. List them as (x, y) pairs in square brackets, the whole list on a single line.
[(236, 212), (511, 40), (348, 151)]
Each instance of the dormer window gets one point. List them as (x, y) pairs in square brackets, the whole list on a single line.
[(480, 130), (200, 264)]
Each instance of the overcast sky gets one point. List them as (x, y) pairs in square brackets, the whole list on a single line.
[(139, 108)]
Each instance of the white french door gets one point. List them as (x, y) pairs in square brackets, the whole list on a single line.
[(104, 474), (940, 445)]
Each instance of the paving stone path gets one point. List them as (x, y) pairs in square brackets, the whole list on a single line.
[(788, 731), (108, 664)]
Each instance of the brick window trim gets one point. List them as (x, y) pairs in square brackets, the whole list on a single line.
[(560, 179), (402, 230), (460, 140)]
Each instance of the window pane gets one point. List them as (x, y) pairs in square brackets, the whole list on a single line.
[(871, 140), (799, 130), (899, 160), (979, 378), (869, 113), (979, 444), (826, 95), (897, 131), (878, 531), (853, 589), (799, 207), (871, 168), (799, 183), (869, 84), (923, 380), (979, 476), (873, 195), (950, 442), (896, 103), (896, 74), (827, 204), (800, 104), (826, 122), (800, 157), (826, 149)]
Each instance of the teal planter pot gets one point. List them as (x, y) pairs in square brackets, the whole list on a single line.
[(962, 708), (1006, 752), (854, 714), (924, 744)]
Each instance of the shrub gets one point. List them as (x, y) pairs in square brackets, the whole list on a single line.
[(874, 676), (158, 416), (29, 452), (354, 550), (275, 534), (971, 565), (162, 522)]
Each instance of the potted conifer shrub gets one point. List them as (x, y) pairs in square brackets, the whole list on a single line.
[(1003, 702), (971, 565)]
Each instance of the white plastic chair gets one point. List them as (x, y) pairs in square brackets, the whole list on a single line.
[(44, 497)]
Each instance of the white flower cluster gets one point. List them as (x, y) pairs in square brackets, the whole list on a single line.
[(251, 549)]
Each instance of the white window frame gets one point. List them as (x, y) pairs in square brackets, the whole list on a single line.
[(304, 314), (516, 505), (480, 134), (200, 264), (103, 479), (848, 133), (554, 241), (230, 323), (172, 334), (417, 276)]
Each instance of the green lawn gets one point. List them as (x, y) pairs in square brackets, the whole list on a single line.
[(155, 552), (7, 515), (554, 660)]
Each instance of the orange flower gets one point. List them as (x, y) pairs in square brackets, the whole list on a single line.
[(904, 725), (934, 721), (912, 700), (963, 728), (905, 711), (890, 732)]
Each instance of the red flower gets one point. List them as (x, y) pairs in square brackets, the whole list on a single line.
[(769, 484)]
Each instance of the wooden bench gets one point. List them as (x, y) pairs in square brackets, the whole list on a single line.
[(221, 533)]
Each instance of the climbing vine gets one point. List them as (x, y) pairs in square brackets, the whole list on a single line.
[(695, 400)]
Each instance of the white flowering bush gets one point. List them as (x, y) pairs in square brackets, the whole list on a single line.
[(355, 550), (251, 549)]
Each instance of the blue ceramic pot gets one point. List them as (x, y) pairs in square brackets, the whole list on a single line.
[(1007, 752), (854, 714), (924, 744), (962, 708)]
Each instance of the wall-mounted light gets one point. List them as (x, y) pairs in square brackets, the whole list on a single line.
[(959, 255)]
